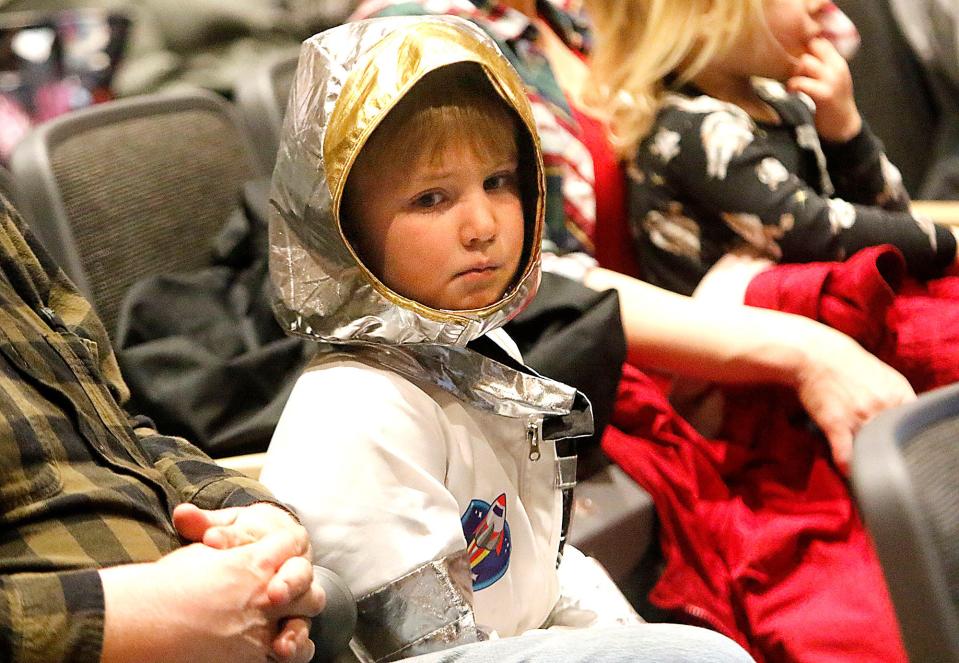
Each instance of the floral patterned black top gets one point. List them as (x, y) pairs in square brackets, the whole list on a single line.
[(709, 179)]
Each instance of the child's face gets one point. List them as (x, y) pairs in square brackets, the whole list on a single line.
[(773, 50), (445, 231), (794, 23)]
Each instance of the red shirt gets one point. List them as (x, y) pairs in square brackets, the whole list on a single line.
[(614, 245)]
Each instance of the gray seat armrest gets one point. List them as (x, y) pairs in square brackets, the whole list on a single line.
[(613, 520), (904, 468), (332, 629)]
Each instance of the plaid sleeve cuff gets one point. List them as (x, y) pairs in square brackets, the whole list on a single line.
[(233, 490), (52, 617), (195, 477)]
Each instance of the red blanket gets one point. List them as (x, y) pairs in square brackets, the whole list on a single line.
[(912, 326), (758, 530)]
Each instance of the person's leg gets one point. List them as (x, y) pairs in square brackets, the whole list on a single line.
[(643, 643)]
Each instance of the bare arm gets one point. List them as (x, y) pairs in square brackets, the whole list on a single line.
[(839, 383), (715, 342)]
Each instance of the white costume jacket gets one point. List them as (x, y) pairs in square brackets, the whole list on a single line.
[(418, 450)]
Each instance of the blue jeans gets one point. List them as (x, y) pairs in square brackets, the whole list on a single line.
[(642, 643)]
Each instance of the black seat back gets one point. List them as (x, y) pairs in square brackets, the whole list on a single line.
[(261, 99), (906, 478), (892, 90)]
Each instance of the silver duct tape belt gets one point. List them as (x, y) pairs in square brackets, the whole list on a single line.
[(565, 481), (565, 477), (426, 610)]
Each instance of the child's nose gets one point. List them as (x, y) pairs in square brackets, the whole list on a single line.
[(479, 223)]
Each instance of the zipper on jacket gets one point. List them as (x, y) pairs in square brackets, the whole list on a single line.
[(534, 435)]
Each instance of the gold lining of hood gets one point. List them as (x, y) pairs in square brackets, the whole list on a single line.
[(366, 99)]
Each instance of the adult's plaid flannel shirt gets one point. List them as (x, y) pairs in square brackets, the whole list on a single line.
[(82, 485)]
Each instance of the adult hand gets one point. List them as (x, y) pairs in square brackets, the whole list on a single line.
[(199, 603), (237, 526), (823, 74), (842, 386)]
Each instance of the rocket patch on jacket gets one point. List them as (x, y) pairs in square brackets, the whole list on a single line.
[(489, 545)]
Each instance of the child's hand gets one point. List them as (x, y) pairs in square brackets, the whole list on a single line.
[(824, 75)]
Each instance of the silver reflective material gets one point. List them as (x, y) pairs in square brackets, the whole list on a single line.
[(426, 610), (484, 383), (347, 80), (566, 472)]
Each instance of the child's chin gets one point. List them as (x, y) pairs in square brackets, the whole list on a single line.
[(473, 303)]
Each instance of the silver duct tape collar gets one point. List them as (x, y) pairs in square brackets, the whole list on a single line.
[(426, 610), (481, 382)]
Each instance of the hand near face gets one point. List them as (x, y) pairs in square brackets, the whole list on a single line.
[(824, 75)]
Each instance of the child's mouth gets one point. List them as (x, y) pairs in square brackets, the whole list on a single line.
[(479, 271)]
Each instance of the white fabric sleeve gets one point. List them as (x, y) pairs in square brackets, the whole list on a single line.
[(361, 455), (588, 596)]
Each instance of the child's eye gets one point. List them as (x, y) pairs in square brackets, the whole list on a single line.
[(505, 180), (428, 200)]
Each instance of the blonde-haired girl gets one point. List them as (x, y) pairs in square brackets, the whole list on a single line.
[(738, 119)]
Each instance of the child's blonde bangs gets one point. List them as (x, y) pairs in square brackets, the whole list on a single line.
[(487, 130), (468, 112), (642, 42)]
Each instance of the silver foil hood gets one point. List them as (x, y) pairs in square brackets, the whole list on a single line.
[(347, 80)]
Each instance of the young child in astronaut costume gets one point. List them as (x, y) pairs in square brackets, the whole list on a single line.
[(425, 459)]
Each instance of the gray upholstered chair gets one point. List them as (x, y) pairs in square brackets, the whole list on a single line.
[(261, 99), (905, 475), (133, 187)]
